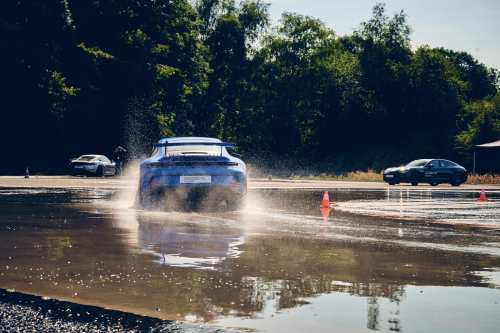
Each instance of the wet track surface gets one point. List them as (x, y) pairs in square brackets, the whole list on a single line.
[(387, 260), (460, 208)]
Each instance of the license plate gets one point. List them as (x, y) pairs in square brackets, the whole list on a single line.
[(196, 179), (389, 176), (78, 166)]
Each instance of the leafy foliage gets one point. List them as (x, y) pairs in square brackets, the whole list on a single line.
[(73, 69), (482, 122), (83, 77)]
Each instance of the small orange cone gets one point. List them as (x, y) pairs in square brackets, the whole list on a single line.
[(27, 174), (326, 200), (482, 196), (325, 205)]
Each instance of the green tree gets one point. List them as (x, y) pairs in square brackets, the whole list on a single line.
[(230, 30), (480, 123), (479, 81), (435, 96), (138, 51), (74, 72), (35, 94), (310, 79), (383, 47)]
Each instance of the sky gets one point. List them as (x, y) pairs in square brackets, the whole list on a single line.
[(472, 26)]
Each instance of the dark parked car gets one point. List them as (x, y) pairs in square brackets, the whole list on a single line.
[(432, 171), (98, 165)]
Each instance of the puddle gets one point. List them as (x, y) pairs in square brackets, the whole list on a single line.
[(279, 265)]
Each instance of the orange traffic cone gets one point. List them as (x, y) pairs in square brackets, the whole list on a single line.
[(27, 174), (325, 205), (482, 196), (326, 200)]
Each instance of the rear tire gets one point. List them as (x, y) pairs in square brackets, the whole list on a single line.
[(456, 180), (100, 171), (237, 204), (148, 201), (414, 179), (138, 199)]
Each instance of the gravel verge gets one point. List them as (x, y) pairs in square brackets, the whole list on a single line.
[(26, 313)]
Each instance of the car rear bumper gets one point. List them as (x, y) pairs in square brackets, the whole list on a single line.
[(179, 196), (193, 178), (83, 170), (90, 171)]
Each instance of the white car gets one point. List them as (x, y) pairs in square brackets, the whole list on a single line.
[(97, 165)]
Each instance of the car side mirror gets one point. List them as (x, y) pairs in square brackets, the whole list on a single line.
[(430, 166)]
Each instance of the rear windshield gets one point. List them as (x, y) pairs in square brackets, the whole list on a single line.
[(417, 163), (86, 158), (193, 150)]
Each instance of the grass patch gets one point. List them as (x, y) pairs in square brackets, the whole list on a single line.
[(355, 176), (484, 179), (373, 176)]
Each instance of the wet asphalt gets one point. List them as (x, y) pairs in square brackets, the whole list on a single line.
[(279, 251)]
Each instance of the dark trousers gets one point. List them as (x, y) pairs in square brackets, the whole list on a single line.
[(118, 167)]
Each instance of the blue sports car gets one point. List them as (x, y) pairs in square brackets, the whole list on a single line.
[(191, 171)]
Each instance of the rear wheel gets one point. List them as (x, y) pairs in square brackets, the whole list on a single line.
[(100, 171), (138, 198), (456, 180), (237, 204), (414, 179), (148, 201)]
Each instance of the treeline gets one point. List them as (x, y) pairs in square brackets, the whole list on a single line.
[(86, 76)]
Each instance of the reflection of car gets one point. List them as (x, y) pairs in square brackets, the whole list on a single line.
[(189, 169), (98, 165), (432, 171), (191, 245)]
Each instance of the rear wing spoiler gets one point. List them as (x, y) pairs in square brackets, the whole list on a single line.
[(171, 144)]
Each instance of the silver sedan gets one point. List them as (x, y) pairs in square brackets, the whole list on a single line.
[(97, 165)]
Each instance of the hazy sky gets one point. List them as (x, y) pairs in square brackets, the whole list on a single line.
[(472, 26)]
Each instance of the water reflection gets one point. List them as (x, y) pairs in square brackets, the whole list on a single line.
[(180, 243), (251, 269)]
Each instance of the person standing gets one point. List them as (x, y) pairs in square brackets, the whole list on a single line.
[(120, 156)]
